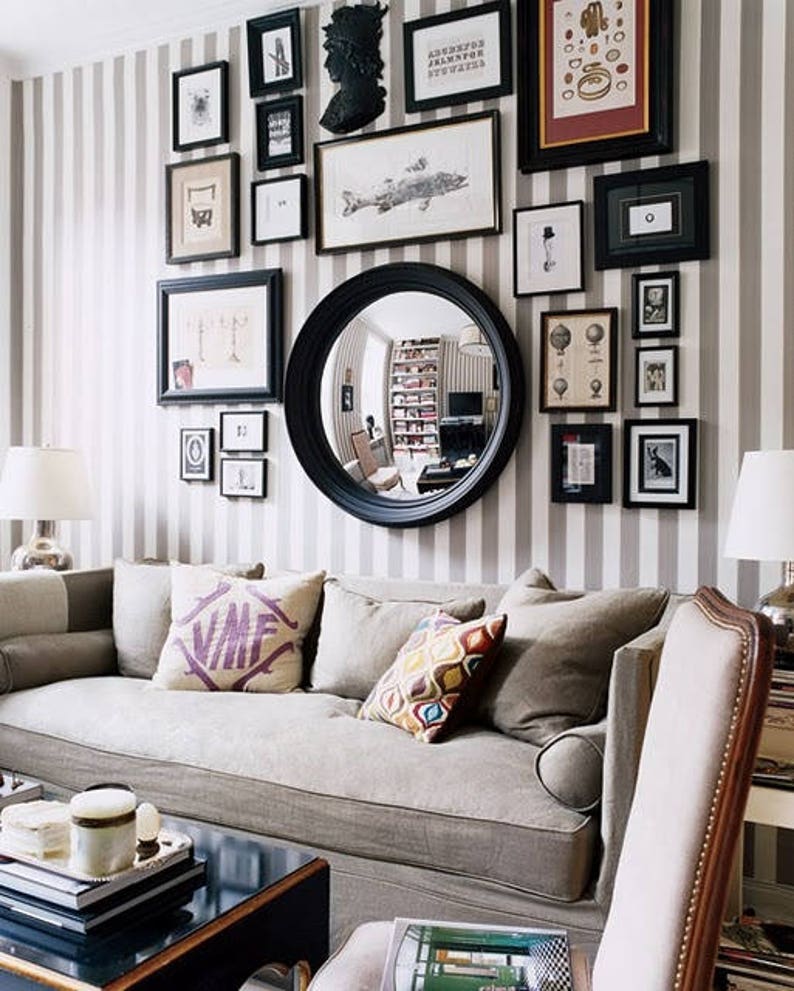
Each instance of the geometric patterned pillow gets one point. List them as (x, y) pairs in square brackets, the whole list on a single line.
[(435, 676)]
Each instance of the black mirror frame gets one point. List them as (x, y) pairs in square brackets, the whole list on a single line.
[(305, 371)]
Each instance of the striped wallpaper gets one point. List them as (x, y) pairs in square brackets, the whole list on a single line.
[(89, 146)]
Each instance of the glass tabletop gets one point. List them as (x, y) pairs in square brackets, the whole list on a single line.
[(238, 866)]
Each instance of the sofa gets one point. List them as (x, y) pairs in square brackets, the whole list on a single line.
[(465, 828)]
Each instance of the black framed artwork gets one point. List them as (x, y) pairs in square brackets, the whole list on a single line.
[(196, 453), (656, 376), (243, 478), (279, 133), (274, 53), (278, 209), (427, 182), (244, 431), (200, 106), (578, 360), (660, 464), (220, 338), (458, 57), (202, 209), (655, 306), (652, 217), (581, 462), (548, 249), (595, 81)]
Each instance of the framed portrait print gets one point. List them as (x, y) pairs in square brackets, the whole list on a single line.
[(274, 53), (578, 360), (656, 376), (244, 432), (410, 184), (660, 464), (655, 305), (595, 81), (458, 57), (196, 446), (278, 209), (548, 249), (244, 478), (279, 133), (581, 462), (220, 338), (202, 204), (652, 217), (200, 101)]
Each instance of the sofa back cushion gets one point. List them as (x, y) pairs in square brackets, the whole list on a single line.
[(40, 601), (360, 636), (42, 658), (142, 611)]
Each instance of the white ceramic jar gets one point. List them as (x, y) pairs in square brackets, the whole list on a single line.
[(103, 831)]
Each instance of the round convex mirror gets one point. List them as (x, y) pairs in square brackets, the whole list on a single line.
[(404, 394)]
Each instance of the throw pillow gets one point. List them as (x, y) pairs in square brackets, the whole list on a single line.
[(375, 630), (234, 634), (435, 675), (41, 658), (570, 767), (142, 610), (553, 670)]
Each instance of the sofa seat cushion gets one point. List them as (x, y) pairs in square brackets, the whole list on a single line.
[(303, 768)]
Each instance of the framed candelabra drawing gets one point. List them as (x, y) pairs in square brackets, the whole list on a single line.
[(220, 338), (659, 464), (595, 81), (578, 360)]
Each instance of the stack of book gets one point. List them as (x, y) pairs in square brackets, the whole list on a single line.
[(756, 956), (36, 894)]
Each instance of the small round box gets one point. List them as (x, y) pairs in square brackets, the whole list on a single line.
[(103, 831)]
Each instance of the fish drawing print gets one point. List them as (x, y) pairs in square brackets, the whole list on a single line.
[(417, 184)]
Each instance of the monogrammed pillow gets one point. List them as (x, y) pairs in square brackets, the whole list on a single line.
[(234, 634)]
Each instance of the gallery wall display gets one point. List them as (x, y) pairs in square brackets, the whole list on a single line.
[(243, 478), (578, 360), (652, 217), (274, 53), (660, 464), (352, 41), (458, 57), (244, 432), (278, 209), (581, 462), (196, 453), (220, 338), (656, 376), (595, 81), (548, 249), (202, 204), (200, 106), (655, 304), (279, 133), (409, 184)]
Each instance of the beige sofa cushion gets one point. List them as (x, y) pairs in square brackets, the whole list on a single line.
[(570, 767), (360, 636), (553, 670)]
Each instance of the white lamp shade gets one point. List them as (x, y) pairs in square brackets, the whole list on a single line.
[(473, 342), (762, 523), (44, 483)]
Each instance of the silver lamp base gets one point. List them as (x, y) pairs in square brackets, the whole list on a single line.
[(778, 607), (42, 551)]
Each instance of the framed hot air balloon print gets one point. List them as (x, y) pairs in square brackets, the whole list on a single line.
[(578, 360)]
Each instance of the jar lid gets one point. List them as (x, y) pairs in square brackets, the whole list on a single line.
[(102, 803)]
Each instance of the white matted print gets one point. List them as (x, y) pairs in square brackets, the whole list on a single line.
[(422, 183), (660, 463), (244, 431), (278, 209), (655, 305), (196, 454), (657, 376), (200, 106), (548, 249), (244, 478)]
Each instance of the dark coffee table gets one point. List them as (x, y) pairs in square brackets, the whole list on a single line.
[(261, 904)]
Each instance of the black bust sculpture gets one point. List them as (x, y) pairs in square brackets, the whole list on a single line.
[(353, 45)]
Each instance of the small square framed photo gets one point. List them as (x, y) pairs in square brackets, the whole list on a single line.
[(244, 432), (244, 478), (660, 464), (578, 360), (656, 376), (200, 100), (274, 53), (548, 249), (278, 209), (196, 446), (655, 305), (581, 462), (202, 209), (279, 133)]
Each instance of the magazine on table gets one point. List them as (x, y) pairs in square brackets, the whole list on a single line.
[(430, 955)]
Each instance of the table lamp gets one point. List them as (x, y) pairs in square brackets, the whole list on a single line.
[(761, 528), (473, 342), (43, 484)]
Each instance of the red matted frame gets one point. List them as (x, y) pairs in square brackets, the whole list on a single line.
[(572, 57)]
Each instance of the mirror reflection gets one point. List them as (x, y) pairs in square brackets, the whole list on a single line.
[(410, 395)]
